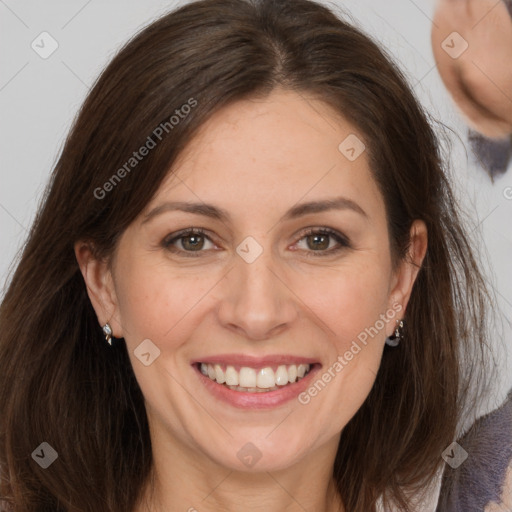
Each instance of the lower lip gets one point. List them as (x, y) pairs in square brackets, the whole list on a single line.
[(264, 400)]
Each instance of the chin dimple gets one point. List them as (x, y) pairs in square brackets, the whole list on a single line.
[(255, 380)]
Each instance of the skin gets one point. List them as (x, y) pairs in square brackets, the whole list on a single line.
[(256, 159), (480, 80)]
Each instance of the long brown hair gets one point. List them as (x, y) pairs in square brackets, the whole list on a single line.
[(62, 384)]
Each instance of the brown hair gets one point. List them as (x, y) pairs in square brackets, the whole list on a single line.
[(59, 380)]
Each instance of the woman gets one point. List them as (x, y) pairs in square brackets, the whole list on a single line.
[(248, 285), (479, 80)]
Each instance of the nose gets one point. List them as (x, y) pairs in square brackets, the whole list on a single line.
[(257, 302)]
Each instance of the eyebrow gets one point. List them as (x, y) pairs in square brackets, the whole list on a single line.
[(214, 212)]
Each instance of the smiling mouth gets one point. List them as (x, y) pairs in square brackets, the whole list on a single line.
[(252, 380)]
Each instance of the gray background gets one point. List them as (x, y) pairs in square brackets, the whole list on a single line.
[(40, 97)]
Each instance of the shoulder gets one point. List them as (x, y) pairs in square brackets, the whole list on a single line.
[(484, 480)]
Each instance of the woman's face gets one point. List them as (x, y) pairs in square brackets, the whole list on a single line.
[(254, 296)]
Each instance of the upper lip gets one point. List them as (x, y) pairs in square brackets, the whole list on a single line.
[(255, 362)]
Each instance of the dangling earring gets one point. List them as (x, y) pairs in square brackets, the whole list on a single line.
[(394, 339), (107, 331)]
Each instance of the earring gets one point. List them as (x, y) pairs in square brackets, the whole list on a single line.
[(394, 339), (107, 331)]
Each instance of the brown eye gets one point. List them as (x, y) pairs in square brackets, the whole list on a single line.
[(189, 241), (319, 241), (192, 242)]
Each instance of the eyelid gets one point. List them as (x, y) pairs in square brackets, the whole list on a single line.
[(182, 233), (168, 241), (341, 239), (325, 231)]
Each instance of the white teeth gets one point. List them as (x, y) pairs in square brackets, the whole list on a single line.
[(265, 378), (281, 376), (252, 380), (252, 390), (292, 373), (231, 376), (247, 377), (219, 374)]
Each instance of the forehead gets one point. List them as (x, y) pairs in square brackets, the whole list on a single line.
[(260, 153)]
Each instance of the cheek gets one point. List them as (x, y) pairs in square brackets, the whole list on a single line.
[(355, 307), (352, 306), (154, 302), (350, 300)]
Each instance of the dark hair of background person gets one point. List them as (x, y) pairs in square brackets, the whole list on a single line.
[(60, 382)]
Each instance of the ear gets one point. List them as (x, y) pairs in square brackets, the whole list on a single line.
[(100, 287), (407, 271)]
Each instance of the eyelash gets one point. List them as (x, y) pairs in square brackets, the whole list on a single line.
[(338, 237)]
